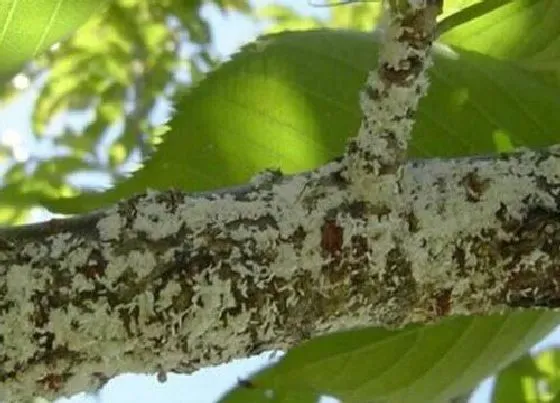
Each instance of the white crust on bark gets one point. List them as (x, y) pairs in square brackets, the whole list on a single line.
[(191, 282)]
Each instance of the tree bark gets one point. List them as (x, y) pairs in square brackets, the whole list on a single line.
[(171, 281), (168, 281)]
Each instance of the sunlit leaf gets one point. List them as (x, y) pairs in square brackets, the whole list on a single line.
[(117, 154), (156, 35), (12, 215), (27, 27), (526, 31)]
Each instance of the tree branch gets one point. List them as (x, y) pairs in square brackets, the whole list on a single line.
[(170, 281)]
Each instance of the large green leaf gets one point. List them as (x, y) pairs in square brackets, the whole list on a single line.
[(290, 101), (416, 364), (29, 26)]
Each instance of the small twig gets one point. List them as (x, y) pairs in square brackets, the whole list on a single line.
[(390, 99)]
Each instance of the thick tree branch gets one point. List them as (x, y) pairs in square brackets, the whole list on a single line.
[(169, 281)]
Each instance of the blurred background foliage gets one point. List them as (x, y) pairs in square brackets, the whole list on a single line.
[(110, 75)]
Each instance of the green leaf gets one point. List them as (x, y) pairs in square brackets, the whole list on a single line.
[(530, 379), (12, 215), (527, 31), (416, 364), (290, 101), (28, 27)]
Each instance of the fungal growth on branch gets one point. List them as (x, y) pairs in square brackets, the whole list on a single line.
[(169, 281), (390, 98)]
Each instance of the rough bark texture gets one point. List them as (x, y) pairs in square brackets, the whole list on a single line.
[(172, 282), (169, 281)]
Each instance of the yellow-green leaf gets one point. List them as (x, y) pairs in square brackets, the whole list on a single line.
[(28, 27)]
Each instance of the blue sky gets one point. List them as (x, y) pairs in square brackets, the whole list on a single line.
[(204, 386)]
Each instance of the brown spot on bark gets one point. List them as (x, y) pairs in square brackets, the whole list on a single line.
[(331, 239), (95, 265), (443, 302), (405, 74)]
